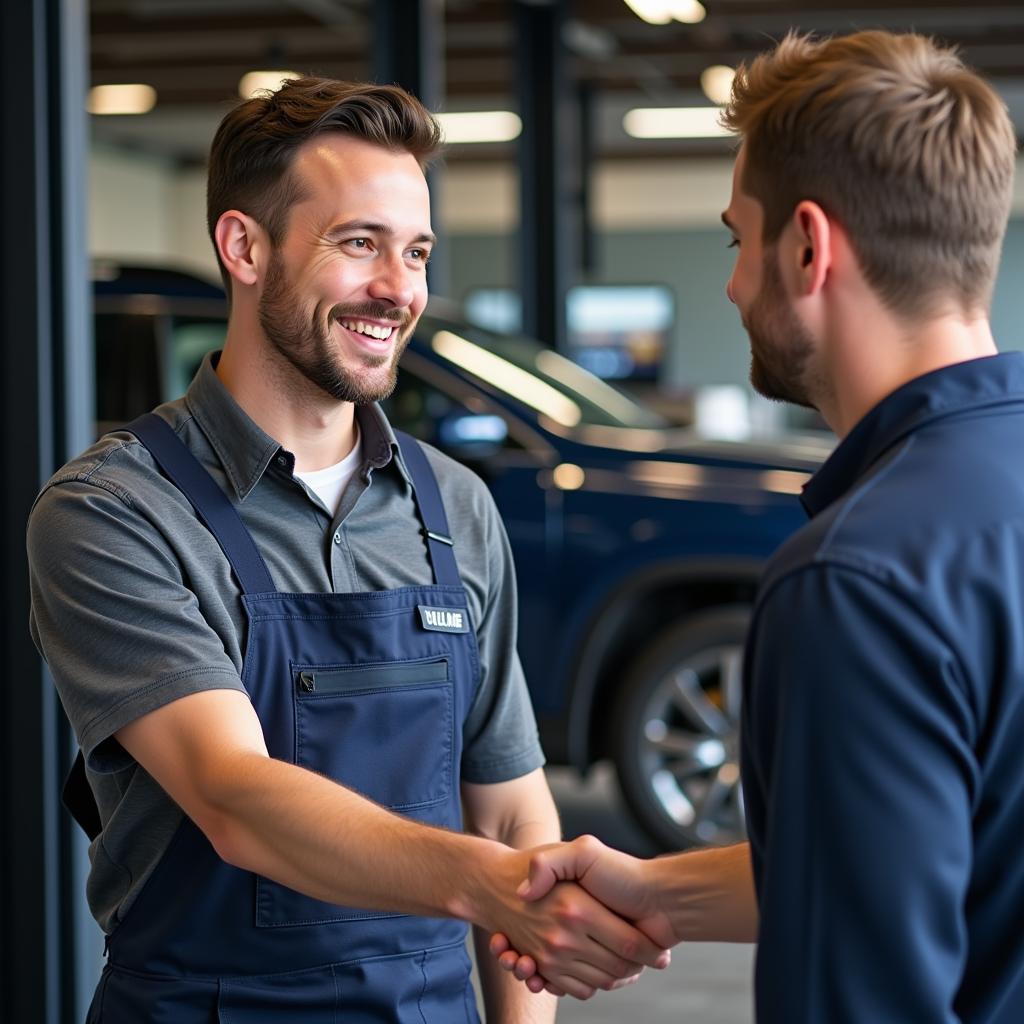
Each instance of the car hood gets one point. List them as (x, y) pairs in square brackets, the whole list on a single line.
[(682, 464)]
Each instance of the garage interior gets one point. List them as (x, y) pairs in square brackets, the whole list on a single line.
[(570, 199)]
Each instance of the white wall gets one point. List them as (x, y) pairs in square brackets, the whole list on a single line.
[(187, 237), (146, 210), (129, 205), (142, 208), (628, 195)]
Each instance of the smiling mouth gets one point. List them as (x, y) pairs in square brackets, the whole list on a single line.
[(375, 331)]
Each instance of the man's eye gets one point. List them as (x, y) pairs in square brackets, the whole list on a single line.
[(358, 243), (423, 255), (733, 244)]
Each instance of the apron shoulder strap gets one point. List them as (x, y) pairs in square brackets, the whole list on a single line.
[(211, 504), (221, 518), (431, 506)]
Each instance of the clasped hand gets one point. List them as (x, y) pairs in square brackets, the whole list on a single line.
[(599, 925)]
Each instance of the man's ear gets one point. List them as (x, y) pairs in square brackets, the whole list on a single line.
[(809, 247), (241, 245)]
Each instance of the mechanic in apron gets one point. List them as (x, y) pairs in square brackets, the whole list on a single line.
[(369, 689)]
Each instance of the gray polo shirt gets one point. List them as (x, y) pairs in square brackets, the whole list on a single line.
[(134, 604)]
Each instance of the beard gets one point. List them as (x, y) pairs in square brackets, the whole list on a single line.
[(780, 346), (303, 338)]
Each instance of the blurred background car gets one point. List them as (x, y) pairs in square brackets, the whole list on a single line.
[(637, 543)]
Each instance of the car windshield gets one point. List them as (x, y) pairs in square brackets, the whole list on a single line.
[(537, 376)]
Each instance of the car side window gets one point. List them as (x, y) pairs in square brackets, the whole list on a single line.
[(189, 341)]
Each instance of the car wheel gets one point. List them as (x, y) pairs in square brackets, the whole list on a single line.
[(676, 731)]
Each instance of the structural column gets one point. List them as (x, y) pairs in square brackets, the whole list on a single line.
[(47, 947), (408, 50), (548, 170)]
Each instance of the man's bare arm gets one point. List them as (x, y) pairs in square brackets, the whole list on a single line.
[(305, 831), (700, 896), (520, 813)]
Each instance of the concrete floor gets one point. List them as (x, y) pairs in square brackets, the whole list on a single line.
[(710, 983)]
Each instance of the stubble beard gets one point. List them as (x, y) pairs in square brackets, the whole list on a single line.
[(780, 346), (303, 340)]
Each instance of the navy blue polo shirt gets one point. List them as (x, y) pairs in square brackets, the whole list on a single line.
[(883, 721)]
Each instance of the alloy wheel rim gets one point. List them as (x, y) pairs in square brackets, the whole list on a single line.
[(689, 749)]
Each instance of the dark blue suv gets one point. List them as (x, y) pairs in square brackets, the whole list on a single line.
[(637, 544)]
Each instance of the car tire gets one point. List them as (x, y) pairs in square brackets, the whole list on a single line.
[(675, 738)]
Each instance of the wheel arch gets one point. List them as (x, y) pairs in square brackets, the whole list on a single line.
[(638, 609)]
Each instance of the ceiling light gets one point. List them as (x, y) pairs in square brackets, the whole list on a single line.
[(674, 123), (716, 81), (654, 12), (135, 98), (263, 81), (480, 126), (688, 11), (661, 12)]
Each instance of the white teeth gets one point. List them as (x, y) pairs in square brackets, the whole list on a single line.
[(381, 333)]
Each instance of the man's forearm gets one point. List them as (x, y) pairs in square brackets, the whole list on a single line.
[(313, 835), (506, 1000), (703, 896), (298, 828), (708, 895)]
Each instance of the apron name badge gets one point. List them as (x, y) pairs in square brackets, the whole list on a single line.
[(444, 620)]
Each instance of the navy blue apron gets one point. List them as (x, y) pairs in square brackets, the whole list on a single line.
[(370, 689)]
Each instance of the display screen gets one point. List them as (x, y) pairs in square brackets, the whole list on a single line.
[(618, 332)]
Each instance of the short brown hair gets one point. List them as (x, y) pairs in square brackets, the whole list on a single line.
[(910, 151), (253, 150)]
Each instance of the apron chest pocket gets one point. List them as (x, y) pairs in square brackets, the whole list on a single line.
[(384, 730)]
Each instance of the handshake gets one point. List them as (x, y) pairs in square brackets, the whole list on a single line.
[(607, 915)]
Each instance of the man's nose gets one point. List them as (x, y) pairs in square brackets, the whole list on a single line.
[(393, 283)]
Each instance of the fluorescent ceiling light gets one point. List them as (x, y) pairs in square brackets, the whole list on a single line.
[(263, 81), (480, 126), (716, 81), (513, 380), (134, 98), (652, 11), (661, 12), (674, 123), (688, 11)]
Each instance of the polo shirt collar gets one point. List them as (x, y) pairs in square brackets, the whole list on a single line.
[(245, 451), (991, 380), (380, 446)]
